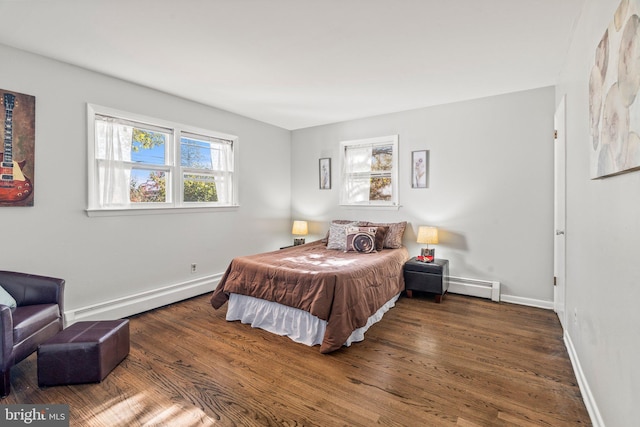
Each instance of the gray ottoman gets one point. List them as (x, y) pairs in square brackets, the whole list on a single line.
[(85, 352)]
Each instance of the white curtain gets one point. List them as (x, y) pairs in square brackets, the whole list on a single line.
[(356, 169), (113, 151), (222, 163)]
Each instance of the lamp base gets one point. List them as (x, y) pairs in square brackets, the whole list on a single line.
[(428, 254), (297, 242)]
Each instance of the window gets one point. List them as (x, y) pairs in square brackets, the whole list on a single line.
[(370, 172), (138, 162)]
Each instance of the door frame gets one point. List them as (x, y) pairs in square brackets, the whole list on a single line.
[(559, 209)]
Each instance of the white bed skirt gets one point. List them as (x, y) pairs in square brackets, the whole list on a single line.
[(299, 325)]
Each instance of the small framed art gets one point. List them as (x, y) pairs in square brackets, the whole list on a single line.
[(419, 168), (324, 170)]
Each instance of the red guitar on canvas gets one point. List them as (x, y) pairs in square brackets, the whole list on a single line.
[(14, 186)]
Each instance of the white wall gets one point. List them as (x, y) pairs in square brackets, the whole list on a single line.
[(490, 185), (602, 240), (108, 258)]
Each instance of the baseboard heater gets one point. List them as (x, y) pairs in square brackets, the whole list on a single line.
[(475, 287), (147, 300)]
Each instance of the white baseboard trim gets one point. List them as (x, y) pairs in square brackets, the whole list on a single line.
[(548, 305), (143, 301), (587, 396), (491, 290), (475, 288)]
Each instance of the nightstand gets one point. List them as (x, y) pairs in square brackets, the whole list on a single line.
[(432, 277)]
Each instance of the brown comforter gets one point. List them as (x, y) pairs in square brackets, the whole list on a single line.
[(343, 288)]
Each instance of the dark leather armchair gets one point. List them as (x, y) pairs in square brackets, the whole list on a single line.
[(36, 318)]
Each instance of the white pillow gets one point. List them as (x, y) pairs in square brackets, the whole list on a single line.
[(6, 298)]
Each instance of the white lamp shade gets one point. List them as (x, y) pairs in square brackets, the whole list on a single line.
[(428, 235), (300, 228)]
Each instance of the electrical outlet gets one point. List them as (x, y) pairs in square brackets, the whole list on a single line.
[(194, 267)]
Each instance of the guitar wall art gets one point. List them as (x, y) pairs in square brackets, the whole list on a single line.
[(17, 156)]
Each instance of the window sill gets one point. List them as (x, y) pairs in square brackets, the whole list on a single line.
[(157, 211), (372, 207)]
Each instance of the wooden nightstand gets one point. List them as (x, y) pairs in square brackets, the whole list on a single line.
[(432, 277)]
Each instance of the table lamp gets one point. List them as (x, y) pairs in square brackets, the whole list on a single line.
[(299, 229), (428, 235)]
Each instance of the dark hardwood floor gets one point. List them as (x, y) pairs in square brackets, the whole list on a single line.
[(465, 362)]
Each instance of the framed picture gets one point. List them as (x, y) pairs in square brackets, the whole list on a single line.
[(419, 168), (17, 159), (325, 173), (614, 89)]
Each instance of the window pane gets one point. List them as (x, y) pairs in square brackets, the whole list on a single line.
[(358, 188), (197, 154), (380, 189), (358, 159), (147, 186), (382, 158), (148, 147), (200, 188), (364, 189)]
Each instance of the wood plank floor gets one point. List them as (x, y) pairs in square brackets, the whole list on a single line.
[(465, 362)]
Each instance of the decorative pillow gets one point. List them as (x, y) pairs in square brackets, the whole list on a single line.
[(7, 299), (337, 221), (338, 236), (361, 239), (393, 239)]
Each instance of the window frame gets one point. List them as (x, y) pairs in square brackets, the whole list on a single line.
[(392, 140), (174, 171), (195, 171)]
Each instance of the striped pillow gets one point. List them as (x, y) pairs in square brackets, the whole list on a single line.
[(393, 239)]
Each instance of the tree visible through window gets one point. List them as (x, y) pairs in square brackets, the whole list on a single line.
[(148, 186), (202, 159), (381, 168)]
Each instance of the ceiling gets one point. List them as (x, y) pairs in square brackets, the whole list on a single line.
[(302, 63)]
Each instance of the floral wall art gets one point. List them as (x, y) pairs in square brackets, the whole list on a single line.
[(614, 99)]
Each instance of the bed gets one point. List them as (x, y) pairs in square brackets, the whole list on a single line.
[(313, 294)]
